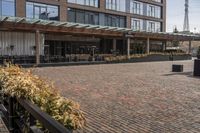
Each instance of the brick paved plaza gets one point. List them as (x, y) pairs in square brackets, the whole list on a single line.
[(132, 98)]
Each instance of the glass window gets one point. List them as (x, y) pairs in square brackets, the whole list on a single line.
[(118, 5), (153, 26), (7, 7), (122, 22), (71, 15), (145, 25), (82, 2), (41, 11), (115, 21), (154, 11), (52, 12), (91, 18), (87, 17), (136, 7), (137, 24), (94, 3), (29, 10), (84, 17), (80, 17)]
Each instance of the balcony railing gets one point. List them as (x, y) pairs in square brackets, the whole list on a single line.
[(22, 116)]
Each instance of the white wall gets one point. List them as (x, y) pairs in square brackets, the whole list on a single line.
[(23, 43)]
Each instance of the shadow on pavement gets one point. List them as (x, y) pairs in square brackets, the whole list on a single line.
[(188, 74)]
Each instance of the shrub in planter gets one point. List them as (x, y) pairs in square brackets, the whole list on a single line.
[(19, 83)]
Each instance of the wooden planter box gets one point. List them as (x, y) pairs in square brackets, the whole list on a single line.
[(177, 68), (197, 67)]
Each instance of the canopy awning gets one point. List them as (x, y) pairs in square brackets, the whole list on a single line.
[(47, 26)]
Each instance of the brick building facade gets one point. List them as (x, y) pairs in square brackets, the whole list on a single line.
[(66, 28)]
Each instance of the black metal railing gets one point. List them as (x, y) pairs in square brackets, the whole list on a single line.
[(49, 59), (22, 116)]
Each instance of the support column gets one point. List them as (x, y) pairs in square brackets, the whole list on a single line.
[(37, 44), (190, 47), (164, 46), (148, 46), (114, 45), (104, 46), (128, 47)]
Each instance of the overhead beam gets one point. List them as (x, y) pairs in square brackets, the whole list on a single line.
[(83, 26), (120, 29), (128, 30), (62, 24), (4, 19), (93, 27), (21, 20), (36, 22), (102, 28), (49, 23), (72, 25), (112, 29)]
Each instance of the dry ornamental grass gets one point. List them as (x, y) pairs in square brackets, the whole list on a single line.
[(19, 83)]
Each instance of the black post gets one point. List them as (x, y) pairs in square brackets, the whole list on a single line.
[(197, 67), (32, 120), (11, 115), (124, 45)]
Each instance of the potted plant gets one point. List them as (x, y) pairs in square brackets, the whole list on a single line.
[(198, 53)]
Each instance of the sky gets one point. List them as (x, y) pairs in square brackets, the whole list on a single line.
[(175, 15)]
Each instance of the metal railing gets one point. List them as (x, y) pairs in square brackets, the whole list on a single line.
[(22, 116)]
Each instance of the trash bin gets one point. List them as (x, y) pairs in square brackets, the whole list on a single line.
[(197, 67), (177, 68)]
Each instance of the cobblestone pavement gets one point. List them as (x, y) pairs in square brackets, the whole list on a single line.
[(132, 98)]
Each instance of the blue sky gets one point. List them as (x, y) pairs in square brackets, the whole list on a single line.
[(175, 15)]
